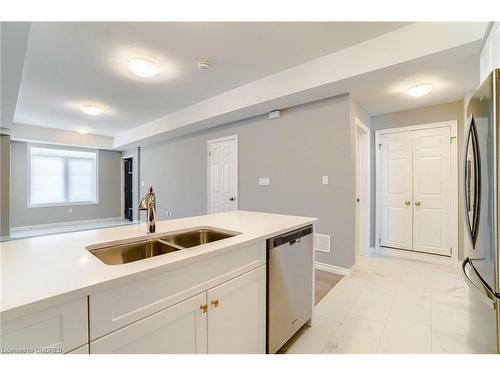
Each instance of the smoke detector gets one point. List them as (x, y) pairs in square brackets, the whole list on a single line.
[(203, 65)]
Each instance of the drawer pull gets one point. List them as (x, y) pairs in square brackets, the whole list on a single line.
[(204, 308), (215, 303)]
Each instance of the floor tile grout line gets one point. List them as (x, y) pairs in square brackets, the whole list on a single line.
[(349, 310), (386, 319)]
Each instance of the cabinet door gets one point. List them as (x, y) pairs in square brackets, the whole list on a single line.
[(396, 216), (431, 189), (179, 329), (58, 329), (237, 314)]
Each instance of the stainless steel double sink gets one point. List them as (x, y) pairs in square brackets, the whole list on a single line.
[(163, 244)]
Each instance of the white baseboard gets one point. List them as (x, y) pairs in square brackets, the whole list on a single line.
[(412, 255), (65, 224), (372, 251), (334, 269)]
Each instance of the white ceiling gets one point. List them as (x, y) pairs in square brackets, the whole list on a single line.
[(72, 63), (452, 72)]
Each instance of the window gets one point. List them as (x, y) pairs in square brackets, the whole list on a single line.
[(62, 176)]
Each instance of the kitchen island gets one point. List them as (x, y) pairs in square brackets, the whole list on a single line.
[(55, 293)]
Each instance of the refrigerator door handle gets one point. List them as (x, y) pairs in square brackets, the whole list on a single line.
[(482, 292)]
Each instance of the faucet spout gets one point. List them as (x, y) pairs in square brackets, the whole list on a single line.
[(148, 202)]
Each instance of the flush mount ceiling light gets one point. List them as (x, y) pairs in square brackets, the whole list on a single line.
[(144, 68), (203, 65), (91, 109), (420, 90), (81, 131)]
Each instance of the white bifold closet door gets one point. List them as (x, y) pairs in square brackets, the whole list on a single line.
[(415, 197), (431, 191), (396, 181)]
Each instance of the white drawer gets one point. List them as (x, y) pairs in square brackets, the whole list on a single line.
[(117, 307), (59, 329)]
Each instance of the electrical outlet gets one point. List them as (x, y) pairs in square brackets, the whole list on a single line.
[(142, 183), (324, 180), (264, 181), (168, 213)]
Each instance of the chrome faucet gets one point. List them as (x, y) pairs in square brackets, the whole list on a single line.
[(148, 202)]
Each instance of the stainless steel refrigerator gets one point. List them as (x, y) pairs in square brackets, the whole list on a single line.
[(481, 161)]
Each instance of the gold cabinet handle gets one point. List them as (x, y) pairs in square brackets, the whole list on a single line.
[(417, 203), (407, 203), (204, 308), (215, 303)]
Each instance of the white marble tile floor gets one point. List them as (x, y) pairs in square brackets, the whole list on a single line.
[(392, 305)]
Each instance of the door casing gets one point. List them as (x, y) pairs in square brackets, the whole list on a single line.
[(122, 186), (453, 259), (363, 168)]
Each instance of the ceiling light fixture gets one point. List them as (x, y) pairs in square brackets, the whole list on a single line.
[(203, 65), (420, 90), (91, 109), (80, 131), (144, 68)]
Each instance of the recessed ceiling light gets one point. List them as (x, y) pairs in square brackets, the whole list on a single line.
[(144, 68), (420, 90), (203, 65), (81, 131), (91, 109)]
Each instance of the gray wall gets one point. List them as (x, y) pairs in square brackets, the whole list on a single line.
[(295, 150), (424, 115), (4, 185), (109, 200)]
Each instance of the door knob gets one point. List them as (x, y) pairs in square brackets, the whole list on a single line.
[(407, 203), (417, 203), (203, 308), (215, 303), (232, 199)]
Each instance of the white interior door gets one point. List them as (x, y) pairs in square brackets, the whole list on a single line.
[(222, 175), (396, 218), (431, 191)]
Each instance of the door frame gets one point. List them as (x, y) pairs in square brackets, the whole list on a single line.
[(453, 196), (122, 185), (234, 138), (363, 130)]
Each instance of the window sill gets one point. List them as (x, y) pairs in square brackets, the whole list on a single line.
[(65, 204)]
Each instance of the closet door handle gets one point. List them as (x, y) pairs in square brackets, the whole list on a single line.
[(417, 203), (407, 203)]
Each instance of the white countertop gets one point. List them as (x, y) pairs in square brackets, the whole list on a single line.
[(42, 271)]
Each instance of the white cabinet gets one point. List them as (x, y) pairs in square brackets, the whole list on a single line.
[(118, 307), (237, 315), (179, 329), (230, 318), (59, 329), (490, 54)]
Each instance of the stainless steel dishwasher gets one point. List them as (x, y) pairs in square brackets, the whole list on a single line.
[(289, 285)]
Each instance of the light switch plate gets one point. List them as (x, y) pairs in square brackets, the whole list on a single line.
[(264, 181), (324, 180)]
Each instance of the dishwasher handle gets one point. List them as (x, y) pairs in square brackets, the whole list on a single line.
[(290, 237)]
